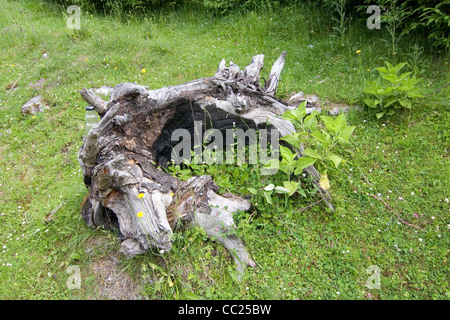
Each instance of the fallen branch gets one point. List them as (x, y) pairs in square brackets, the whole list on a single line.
[(393, 211)]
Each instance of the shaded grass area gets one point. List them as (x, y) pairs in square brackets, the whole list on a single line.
[(310, 254)]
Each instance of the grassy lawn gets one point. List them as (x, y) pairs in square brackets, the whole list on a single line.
[(301, 254)]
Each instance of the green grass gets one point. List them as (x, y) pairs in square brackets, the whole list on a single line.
[(311, 254)]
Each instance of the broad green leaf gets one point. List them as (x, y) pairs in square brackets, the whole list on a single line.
[(291, 186), (405, 103), (310, 122), (312, 153), (335, 158), (404, 76), (321, 136), (397, 67), (380, 115), (300, 112), (287, 115), (287, 154), (268, 197), (390, 112), (302, 192), (340, 121), (329, 122), (382, 70), (393, 78), (302, 163), (345, 134), (269, 187), (389, 100), (372, 103), (285, 167), (294, 139), (313, 191), (253, 191)]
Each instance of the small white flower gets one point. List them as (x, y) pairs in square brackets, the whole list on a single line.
[(412, 193), (439, 235), (446, 200), (420, 239), (432, 218), (162, 251), (338, 293)]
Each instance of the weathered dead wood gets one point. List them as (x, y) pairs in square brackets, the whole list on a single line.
[(122, 155), (271, 85)]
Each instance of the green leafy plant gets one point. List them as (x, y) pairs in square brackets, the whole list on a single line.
[(392, 91), (316, 138), (317, 135)]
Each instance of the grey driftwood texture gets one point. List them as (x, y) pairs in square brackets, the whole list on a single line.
[(122, 155)]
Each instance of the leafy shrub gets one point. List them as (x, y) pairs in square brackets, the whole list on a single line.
[(317, 135), (391, 91)]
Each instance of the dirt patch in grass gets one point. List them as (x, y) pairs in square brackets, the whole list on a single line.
[(113, 283)]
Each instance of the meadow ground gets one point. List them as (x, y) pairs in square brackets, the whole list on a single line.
[(301, 254)]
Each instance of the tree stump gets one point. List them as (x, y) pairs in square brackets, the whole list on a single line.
[(121, 157)]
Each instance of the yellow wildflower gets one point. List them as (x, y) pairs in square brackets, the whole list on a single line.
[(140, 214), (171, 194), (33, 117), (358, 51), (140, 195), (85, 60), (144, 71), (368, 69)]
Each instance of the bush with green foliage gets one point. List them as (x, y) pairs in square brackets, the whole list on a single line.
[(392, 91)]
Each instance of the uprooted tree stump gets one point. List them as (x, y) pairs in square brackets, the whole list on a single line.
[(122, 155)]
